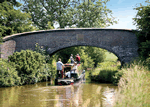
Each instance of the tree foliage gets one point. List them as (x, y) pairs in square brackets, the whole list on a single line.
[(64, 54), (12, 20), (14, 2), (87, 13), (86, 59), (93, 13), (142, 21), (97, 54), (45, 12)]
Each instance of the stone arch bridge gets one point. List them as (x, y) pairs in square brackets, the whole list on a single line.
[(121, 42)]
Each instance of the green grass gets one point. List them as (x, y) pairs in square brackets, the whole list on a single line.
[(110, 56), (105, 72)]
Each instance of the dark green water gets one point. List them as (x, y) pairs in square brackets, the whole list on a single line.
[(42, 95)]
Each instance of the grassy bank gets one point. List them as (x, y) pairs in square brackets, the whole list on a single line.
[(133, 87), (104, 73)]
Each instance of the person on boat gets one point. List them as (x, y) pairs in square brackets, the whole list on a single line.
[(68, 75), (73, 70), (74, 67), (78, 59), (72, 59), (59, 67)]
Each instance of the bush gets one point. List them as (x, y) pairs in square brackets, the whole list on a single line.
[(117, 77), (80, 68), (42, 51), (144, 49), (28, 63), (104, 76), (8, 74), (51, 61), (148, 62)]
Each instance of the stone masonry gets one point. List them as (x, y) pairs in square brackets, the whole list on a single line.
[(121, 42)]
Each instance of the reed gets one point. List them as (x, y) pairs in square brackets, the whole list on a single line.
[(133, 87)]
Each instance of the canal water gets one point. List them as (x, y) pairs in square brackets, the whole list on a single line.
[(43, 95)]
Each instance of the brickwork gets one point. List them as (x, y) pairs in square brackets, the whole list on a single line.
[(123, 43)]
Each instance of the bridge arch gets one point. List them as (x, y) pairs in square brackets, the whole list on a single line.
[(51, 53), (121, 42)]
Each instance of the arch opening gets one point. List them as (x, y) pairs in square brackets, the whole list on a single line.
[(108, 51), (108, 55)]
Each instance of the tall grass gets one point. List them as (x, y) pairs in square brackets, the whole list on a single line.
[(134, 87)]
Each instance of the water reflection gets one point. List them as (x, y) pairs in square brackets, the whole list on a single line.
[(41, 95)]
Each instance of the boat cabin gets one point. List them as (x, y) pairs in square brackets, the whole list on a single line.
[(67, 76)]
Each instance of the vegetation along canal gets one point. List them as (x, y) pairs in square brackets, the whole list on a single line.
[(42, 95)]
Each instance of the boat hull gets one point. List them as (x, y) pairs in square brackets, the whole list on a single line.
[(71, 81)]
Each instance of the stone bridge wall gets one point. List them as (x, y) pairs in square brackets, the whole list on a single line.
[(123, 43)]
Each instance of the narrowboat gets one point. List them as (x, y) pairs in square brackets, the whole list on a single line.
[(70, 77)]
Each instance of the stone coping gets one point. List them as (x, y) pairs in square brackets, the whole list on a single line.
[(63, 30)]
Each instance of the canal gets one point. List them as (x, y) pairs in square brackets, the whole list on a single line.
[(43, 95)]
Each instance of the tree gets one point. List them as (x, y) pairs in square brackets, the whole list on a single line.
[(93, 14), (13, 21), (87, 13), (66, 53), (142, 21), (14, 2), (86, 59), (44, 11), (97, 54)]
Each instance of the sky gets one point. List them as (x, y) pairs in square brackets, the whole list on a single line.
[(123, 11)]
